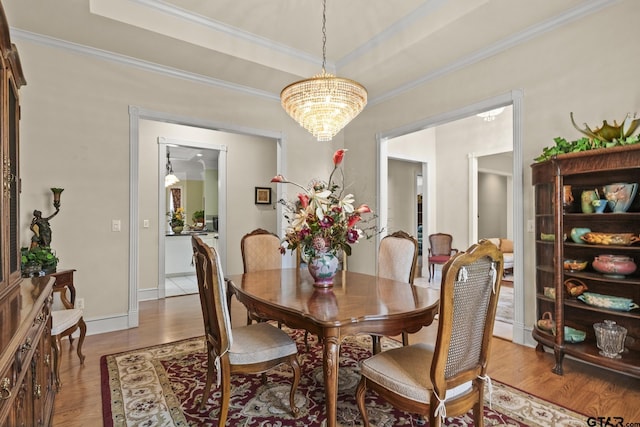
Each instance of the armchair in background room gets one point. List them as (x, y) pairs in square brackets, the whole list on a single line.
[(506, 247), (440, 251)]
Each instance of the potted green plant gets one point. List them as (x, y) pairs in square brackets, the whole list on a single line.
[(176, 220), (606, 136), (38, 260), (198, 216)]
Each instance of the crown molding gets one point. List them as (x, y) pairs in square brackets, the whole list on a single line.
[(510, 42), (138, 63), (500, 46)]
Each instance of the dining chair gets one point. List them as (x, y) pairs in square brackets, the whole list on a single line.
[(440, 251), (397, 260), (64, 322), (260, 251), (447, 379), (249, 349)]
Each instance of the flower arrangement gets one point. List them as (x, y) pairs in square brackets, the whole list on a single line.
[(176, 217), (322, 219)]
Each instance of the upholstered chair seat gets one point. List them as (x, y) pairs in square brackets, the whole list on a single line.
[(447, 379), (250, 349), (258, 343), (65, 321)]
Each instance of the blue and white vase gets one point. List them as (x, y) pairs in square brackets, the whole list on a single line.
[(323, 268)]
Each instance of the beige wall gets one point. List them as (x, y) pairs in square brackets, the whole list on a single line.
[(75, 133), (557, 74)]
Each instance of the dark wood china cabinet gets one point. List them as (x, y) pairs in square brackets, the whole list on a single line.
[(26, 381), (576, 173)]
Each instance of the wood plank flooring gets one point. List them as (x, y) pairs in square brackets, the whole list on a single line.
[(583, 388)]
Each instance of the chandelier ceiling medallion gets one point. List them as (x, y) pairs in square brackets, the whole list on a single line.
[(324, 103)]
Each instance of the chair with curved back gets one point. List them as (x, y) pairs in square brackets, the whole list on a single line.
[(65, 320), (254, 348), (448, 379), (440, 251), (260, 251), (397, 260)]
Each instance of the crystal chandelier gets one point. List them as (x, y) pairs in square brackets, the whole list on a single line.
[(324, 103), (170, 177)]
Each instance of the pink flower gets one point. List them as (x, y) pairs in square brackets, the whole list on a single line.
[(353, 220), (304, 200), (326, 222), (278, 178), (352, 236), (338, 156), (319, 244), (363, 208)]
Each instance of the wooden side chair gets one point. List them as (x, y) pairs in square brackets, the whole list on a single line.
[(448, 379), (397, 260), (254, 348), (260, 251), (440, 251), (65, 320)]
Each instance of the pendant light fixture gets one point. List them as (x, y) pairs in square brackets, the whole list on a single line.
[(170, 178), (324, 103)]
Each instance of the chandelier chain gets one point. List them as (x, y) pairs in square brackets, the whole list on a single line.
[(324, 103), (324, 35)]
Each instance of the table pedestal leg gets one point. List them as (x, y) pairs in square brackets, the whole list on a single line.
[(330, 361)]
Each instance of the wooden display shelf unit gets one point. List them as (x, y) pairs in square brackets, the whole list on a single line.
[(585, 171)]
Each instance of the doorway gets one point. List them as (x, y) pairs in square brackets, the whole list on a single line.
[(143, 197), (439, 192), (197, 165)]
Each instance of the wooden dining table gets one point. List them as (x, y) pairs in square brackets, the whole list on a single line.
[(357, 303)]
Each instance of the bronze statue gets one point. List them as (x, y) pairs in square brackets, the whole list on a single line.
[(41, 229)]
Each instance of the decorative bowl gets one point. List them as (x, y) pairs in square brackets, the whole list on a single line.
[(575, 264), (574, 335), (547, 237), (550, 292), (608, 301), (620, 195), (615, 266), (619, 239), (599, 205), (577, 233), (551, 237)]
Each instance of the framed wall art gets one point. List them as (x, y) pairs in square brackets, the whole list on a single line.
[(263, 196)]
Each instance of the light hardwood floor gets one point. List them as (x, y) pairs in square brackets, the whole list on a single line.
[(583, 388)]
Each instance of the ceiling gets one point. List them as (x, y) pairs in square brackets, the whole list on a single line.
[(260, 46)]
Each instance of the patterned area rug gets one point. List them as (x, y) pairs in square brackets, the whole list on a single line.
[(162, 386)]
